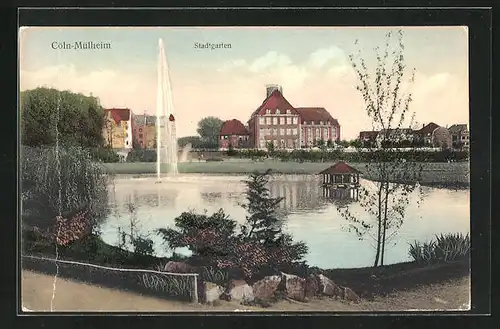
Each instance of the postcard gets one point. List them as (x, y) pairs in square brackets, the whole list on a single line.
[(246, 169)]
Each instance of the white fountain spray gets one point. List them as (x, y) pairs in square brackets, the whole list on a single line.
[(166, 139)]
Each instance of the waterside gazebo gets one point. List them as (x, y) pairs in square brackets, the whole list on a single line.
[(340, 175)]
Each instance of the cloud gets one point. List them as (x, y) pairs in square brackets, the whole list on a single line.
[(332, 55), (272, 60)]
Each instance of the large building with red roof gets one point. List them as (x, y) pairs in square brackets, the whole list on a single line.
[(233, 133), (278, 122), (118, 128)]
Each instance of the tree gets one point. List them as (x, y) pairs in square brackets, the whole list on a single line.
[(387, 105), (263, 223), (195, 141), (78, 119), (356, 143), (208, 129), (270, 147)]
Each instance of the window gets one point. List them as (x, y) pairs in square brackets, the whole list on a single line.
[(328, 122), (275, 121), (126, 143), (288, 131), (275, 131), (282, 131), (321, 123), (262, 120), (277, 111), (311, 123), (282, 120), (262, 144), (282, 142), (288, 120), (334, 132), (262, 132), (268, 120), (305, 122), (325, 134), (290, 143), (288, 112), (294, 131), (295, 120), (275, 142), (268, 111)]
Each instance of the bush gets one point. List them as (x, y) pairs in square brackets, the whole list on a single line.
[(50, 187), (141, 155), (445, 248), (104, 154)]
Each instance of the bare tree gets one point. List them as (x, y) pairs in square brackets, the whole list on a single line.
[(387, 102)]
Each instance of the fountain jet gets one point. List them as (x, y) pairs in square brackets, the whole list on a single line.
[(166, 139)]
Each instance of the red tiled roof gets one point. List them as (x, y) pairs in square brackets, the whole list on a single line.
[(428, 129), (233, 127), (275, 101), (340, 168), (119, 114), (316, 114)]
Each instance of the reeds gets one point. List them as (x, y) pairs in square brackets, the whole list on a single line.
[(444, 248)]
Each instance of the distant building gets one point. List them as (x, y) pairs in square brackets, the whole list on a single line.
[(431, 135), (233, 133), (278, 122), (459, 136), (434, 135), (118, 128), (145, 131)]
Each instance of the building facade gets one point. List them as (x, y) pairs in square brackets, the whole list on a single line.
[(233, 133), (118, 128), (459, 136), (279, 123), (145, 131)]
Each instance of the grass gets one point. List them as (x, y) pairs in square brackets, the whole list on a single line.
[(444, 248), (433, 173)]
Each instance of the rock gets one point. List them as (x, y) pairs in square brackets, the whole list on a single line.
[(211, 292), (350, 295), (178, 267), (266, 288), (295, 287), (327, 287), (241, 291), (312, 286)]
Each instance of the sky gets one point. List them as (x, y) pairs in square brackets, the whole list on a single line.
[(310, 63)]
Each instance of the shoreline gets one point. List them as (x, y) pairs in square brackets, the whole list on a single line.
[(448, 175)]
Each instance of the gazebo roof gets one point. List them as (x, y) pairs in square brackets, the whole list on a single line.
[(340, 168)]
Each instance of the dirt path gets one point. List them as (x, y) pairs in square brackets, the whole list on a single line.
[(75, 296)]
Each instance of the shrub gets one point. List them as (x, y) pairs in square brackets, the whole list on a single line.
[(445, 248), (141, 155), (103, 154), (61, 181)]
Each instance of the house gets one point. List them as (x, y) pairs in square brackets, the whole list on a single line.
[(145, 131), (233, 133), (459, 136), (118, 128), (278, 122), (434, 135)]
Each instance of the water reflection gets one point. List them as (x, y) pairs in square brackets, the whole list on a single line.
[(313, 213)]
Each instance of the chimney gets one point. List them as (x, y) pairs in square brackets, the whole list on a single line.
[(271, 88), (423, 125)]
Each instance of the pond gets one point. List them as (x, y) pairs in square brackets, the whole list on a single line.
[(310, 216)]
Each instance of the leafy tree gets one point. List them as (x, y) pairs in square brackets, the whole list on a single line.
[(329, 143), (209, 128), (387, 105), (78, 119), (61, 182), (356, 143), (195, 141)]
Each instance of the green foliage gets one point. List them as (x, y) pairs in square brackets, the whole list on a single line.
[(143, 246), (79, 119), (195, 141), (259, 245), (262, 222), (231, 151), (141, 155), (444, 248), (104, 154), (62, 180), (208, 129), (270, 147)]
